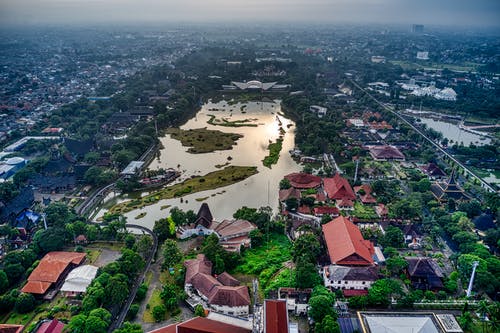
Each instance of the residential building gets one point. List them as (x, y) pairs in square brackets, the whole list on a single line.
[(365, 194), (349, 278), (275, 316), (201, 325), (50, 326), (338, 188), (78, 280), (319, 111), (386, 153), (296, 299), (345, 243), (303, 181), (424, 273)]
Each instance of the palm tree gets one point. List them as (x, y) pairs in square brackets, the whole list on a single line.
[(483, 310)]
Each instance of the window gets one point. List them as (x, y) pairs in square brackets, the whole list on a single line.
[(363, 282)]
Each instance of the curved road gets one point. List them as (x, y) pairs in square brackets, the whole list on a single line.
[(484, 184)]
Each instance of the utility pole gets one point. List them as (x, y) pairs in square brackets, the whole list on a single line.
[(471, 282)]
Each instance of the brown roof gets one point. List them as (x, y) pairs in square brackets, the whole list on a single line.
[(367, 197), (8, 328), (345, 243), (289, 193), (204, 216), (321, 210), (276, 316), (230, 296), (386, 153), (50, 269), (228, 280), (201, 325), (227, 228), (338, 188), (303, 180), (204, 283), (195, 266)]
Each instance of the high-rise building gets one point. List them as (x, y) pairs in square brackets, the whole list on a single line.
[(417, 28)]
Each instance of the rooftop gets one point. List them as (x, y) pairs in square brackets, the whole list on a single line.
[(201, 325)]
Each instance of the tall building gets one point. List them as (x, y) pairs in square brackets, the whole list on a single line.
[(418, 28)]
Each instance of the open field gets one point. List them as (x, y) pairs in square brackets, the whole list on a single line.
[(210, 181), (202, 140)]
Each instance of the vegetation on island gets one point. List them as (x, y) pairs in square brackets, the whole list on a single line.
[(274, 153), (227, 176), (202, 140), (226, 123)]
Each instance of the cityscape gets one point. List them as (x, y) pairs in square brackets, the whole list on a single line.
[(325, 167)]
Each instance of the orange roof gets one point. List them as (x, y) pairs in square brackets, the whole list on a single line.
[(345, 243), (50, 269), (276, 316), (338, 188), (303, 180)]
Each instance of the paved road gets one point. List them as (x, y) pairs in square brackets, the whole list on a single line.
[(484, 184), (119, 319)]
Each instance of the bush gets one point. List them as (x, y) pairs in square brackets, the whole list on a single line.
[(132, 312), (141, 292), (25, 303), (159, 312)]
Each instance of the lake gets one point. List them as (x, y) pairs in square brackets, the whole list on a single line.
[(453, 132), (256, 191)]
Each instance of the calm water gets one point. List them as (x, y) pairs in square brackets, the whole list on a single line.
[(256, 191), (453, 132)]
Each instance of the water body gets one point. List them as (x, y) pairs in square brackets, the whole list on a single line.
[(453, 132), (256, 191)]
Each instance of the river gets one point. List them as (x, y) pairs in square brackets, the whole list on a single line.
[(256, 191), (454, 133)]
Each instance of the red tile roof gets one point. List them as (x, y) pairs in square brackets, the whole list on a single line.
[(8, 328), (322, 210), (338, 188), (230, 296), (304, 209), (53, 326), (303, 180), (345, 243), (289, 193), (354, 292), (276, 316), (50, 270), (366, 198), (386, 153), (201, 325)]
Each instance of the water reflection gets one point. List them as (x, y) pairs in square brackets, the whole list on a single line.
[(454, 133), (256, 191)]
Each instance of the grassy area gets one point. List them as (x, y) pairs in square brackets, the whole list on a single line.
[(274, 153), (210, 181), (113, 246), (226, 123), (141, 215), (264, 261), (202, 140), (56, 308), (155, 300), (285, 278), (364, 212), (93, 255)]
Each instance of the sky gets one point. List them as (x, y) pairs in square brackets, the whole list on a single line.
[(484, 13)]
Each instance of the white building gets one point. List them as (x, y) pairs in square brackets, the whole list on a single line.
[(423, 55), (78, 280), (320, 111), (447, 94), (349, 278)]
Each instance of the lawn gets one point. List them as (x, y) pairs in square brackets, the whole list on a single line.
[(155, 300), (285, 278), (202, 140), (210, 181), (264, 261), (92, 255), (364, 212)]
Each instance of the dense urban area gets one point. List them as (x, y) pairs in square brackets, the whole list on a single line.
[(272, 179)]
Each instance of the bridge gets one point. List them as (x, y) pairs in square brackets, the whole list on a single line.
[(467, 171)]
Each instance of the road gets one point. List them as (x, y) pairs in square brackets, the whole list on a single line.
[(119, 319), (484, 184)]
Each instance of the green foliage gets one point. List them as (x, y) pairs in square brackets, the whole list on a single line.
[(306, 247), (321, 304), (306, 274), (25, 303), (4, 281), (99, 176), (396, 265), (393, 237), (159, 312), (8, 191), (51, 239), (380, 292), (129, 328), (285, 184), (256, 238), (199, 311), (171, 253), (132, 312), (328, 325), (261, 217), (141, 292), (163, 229)]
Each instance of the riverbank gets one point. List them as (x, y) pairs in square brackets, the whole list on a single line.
[(202, 140), (210, 181)]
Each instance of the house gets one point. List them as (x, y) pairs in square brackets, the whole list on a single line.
[(201, 325), (345, 243), (433, 171), (386, 153), (303, 181), (275, 316), (78, 280), (289, 193), (78, 148), (50, 273), (224, 294), (319, 111), (382, 211), (12, 209), (296, 299), (325, 210), (50, 326), (443, 191), (424, 273), (349, 278), (338, 188), (10, 328), (365, 194)]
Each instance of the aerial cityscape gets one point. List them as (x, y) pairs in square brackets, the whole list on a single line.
[(249, 167)]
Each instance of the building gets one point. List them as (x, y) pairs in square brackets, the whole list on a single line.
[(443, 191), (349, 278), (11, 166), (10, 328), (424, 273), (408, 322), (345, 243), (319, 111), (11, 210), (275, 316), (447, 94), (50, 273), (201, 325), (132, 169), (417, 28), (338, 188), (222, 294), (255, 85), (365, 194), (303, 181), (386, 153), (423, 55), (50, 326), (378, 59), (78, 280), (433, 171), (296, 299)]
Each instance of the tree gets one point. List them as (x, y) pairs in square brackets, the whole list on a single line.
[(129, 241), (256, 238), (396, 264), (393, 237), (95, 324), (14, 272), (163, 229), (116, 291), (51, 239), (77, 323), (327, 325), (171, 254), (285, 184), (381, 291), (306, 274), (25, 303), (306, 246), (199, 311), (130, 263), (144, 245), (4, 281), (141, 292), (159, 312), (129, 328), (321, 304), (8, 190)]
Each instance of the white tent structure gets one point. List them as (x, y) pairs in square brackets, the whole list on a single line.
[(400, 324), (79, 279)]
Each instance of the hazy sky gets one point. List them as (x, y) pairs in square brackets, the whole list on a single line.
[(442, 12)]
